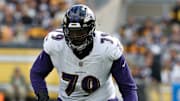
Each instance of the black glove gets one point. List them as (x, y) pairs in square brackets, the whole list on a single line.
[(43, 96)]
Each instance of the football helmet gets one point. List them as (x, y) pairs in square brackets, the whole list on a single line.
[(78, 26)]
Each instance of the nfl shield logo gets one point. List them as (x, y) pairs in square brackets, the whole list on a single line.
[(80, 63)]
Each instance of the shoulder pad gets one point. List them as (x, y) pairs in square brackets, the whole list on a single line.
[(54, 41), (114, 48)]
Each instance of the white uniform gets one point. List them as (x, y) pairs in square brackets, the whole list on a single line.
[(79, 78)]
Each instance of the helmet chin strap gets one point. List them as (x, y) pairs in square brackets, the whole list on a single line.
[(80, 47)]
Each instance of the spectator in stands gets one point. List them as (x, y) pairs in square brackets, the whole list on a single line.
[(120, 34), (6, 34), (20, 37), (18, 89), (175, 13), (175, 77), (30, 14), (8, 18), (63, 6), (175, 34)]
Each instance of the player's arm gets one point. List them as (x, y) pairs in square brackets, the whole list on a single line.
[(124, 79), (40, 69)]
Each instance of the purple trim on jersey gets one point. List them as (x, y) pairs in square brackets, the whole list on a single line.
[(40, 69), (124, 79), (59, 99)]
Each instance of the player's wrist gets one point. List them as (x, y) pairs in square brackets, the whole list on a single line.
[(43, 96)]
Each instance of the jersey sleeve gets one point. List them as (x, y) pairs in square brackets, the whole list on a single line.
[(115, 50), (53, 42), (122, 74), (40, 69)]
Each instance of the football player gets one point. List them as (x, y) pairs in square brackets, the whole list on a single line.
[(86, 61)]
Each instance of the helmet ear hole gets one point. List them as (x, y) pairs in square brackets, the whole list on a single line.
[(79, 26)]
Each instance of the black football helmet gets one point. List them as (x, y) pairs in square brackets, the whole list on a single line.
[(79, 26)]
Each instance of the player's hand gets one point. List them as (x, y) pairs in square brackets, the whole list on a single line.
[(43, 96)]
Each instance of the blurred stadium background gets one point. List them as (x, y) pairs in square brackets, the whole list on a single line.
[(148, 29)]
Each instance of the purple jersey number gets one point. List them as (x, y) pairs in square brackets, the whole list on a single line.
[(58, 37), (104, 38), (89, 83), (72, 79)]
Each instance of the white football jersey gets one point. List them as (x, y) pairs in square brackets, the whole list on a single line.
[(87, 79)]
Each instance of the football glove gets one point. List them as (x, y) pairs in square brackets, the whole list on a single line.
[(43, 96)]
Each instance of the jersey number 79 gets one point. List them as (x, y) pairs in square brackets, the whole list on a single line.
[(88, 83)]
